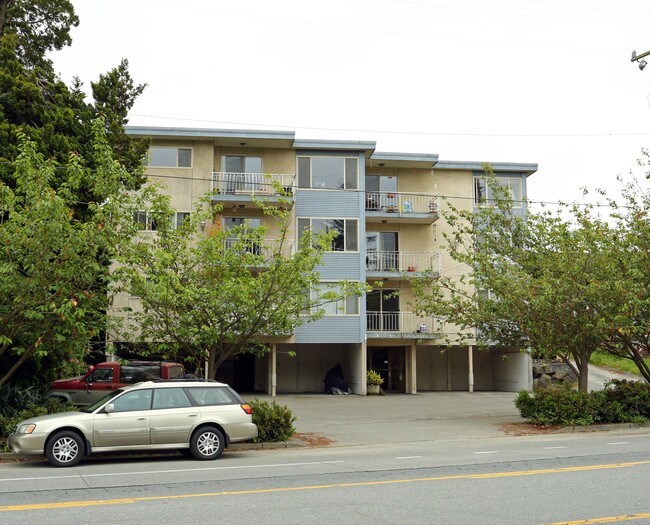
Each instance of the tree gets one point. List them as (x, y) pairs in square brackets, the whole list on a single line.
[(40, 26), (631, 338), (539, 282), (60, 121), (51, 262), (209, 297)]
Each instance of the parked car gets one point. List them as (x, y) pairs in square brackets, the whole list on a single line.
[(105, 377), (198, 418)]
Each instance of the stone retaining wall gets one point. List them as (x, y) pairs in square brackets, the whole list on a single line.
[(546, 373)]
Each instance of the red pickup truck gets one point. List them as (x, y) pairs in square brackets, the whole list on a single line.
[(106, 377)]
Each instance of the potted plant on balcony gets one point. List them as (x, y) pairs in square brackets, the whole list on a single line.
[(374, 382)]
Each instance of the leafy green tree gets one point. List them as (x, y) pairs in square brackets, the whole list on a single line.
[(60, 121), (209, 297), (631, 338), (52, 269), (41, 26), (543, 282)]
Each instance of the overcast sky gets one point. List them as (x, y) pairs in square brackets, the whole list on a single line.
[(543, 81)]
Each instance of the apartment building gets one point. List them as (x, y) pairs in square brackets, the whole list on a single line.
[(387, 208)]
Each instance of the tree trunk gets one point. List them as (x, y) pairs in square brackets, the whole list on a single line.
[(17, 365)]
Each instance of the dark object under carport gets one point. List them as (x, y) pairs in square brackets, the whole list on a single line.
[(334, 382)]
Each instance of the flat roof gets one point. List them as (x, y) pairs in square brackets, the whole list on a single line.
[(403, 160), (346, 145), (527, 168)]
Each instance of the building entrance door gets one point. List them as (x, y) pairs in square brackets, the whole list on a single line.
[(390, 362)]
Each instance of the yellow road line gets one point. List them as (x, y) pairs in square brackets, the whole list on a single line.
[(609, 519), (122, 501)]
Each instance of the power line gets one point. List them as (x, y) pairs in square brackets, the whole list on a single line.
[(369, 192), (392, 132), (185, 7)]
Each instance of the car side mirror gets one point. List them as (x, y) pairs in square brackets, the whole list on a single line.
[(109, 408)]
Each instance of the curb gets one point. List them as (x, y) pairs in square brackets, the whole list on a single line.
[(234, 447), (607, 427)]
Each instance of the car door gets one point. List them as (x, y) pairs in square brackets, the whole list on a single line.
[(128, 425), (99, 383), (172, 416)]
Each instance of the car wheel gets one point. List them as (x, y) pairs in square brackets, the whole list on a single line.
[(207, 443), (65, 449)]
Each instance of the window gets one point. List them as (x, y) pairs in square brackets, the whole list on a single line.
[(137, 400), (484, 195), (211, 396), (147, 220), (135, 374), (101, 375), (347, 306), (328, 173), (164, 157), (346, 239), (242, 164), (170, 398), (382, 310), (179, 218)]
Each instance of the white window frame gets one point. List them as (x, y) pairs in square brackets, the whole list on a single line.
[(344, 219), (311, 172), (504, 182), (340, 307), (177, 148)]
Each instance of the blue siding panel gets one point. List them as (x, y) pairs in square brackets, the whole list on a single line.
[(324, 203), (333, 329), (337, 266)]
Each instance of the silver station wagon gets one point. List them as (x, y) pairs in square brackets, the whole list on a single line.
[(194, 417)]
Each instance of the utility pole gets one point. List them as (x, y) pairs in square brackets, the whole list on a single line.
[(639, 59)]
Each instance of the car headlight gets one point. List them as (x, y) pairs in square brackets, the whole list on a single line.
[(26, 428)]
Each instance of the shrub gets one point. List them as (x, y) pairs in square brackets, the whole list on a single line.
[(48, 406), (632, 396), (620, 402), (14, 398), (274, 421), (558, 405)]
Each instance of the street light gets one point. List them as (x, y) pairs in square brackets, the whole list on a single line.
[(639, 59)]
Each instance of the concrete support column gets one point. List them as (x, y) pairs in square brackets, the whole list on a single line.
[(411, 375), (470, 361), (271, 382), (449, 371), (360, 386)]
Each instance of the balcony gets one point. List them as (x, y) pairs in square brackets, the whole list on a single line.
[(401, 325), (265, 249), (387, 264), (241, 187), (401, 207)]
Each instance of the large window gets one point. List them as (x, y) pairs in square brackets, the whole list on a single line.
[(328, 173), (346, 237), (164, 157), (149, 222), (346, 306), (484, 195), (242, 164)]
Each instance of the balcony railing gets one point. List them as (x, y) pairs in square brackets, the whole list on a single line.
[(266, 248), (400, 261), (394, 323), (227, 183), (403, 204)]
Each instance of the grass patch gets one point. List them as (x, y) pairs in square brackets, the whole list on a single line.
[(616, 363)]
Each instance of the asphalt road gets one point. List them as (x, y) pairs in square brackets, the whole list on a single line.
[(539, 479)]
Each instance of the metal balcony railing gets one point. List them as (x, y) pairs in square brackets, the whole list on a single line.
[(401, 203), (401, 322), (400, 261), (227, 183), (266, 248)]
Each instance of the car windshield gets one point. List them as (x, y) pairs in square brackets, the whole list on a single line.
[(91, 408)]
